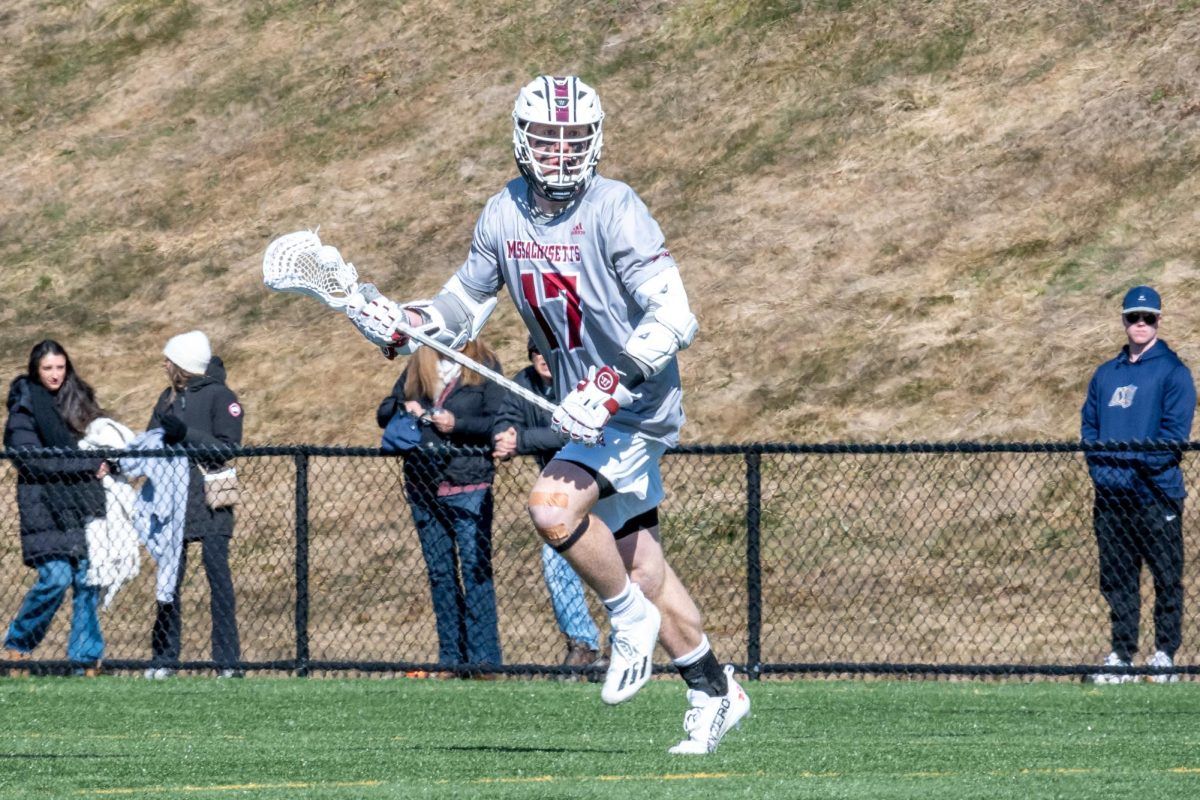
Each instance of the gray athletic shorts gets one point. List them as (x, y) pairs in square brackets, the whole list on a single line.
[(628, 461)]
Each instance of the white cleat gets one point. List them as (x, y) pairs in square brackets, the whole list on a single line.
[(630, 664), (710, 718), (1161, 659), (1109, 678)]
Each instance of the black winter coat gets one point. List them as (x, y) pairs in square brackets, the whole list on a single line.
[(213, 417), (474, 408), (534, 436), (55, 496)]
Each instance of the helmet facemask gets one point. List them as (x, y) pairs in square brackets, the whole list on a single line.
[(557, 165), (557, 136)]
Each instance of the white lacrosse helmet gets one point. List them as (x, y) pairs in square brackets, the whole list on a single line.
[(562, 103)]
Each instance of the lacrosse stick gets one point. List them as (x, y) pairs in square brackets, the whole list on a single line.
[(299, 263)]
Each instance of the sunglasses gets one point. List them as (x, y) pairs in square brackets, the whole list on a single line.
[(1134, 317)]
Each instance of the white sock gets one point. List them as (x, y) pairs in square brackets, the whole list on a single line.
[(691, 658), (628, 605)]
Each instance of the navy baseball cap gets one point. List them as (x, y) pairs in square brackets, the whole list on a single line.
[(1142, 298)]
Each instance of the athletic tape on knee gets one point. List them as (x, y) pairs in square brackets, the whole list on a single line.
[(555, 535), (574, 537), (550, 499)]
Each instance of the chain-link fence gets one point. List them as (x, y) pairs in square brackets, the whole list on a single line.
[(959, 559)]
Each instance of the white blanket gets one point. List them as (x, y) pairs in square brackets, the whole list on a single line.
[(160, 511), (112, 540)]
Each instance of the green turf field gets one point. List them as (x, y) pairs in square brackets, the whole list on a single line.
[(114, 737)]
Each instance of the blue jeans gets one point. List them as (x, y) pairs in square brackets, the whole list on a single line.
[(456, 540), (566, 595), (86, 643)]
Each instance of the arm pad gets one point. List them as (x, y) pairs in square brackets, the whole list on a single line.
[(453, 317), (457, 312), (669, 325)]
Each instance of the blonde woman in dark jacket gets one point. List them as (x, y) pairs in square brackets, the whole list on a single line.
[(197, 408), (451, 496)]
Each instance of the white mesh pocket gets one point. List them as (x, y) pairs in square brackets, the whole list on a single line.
[(298, 262)]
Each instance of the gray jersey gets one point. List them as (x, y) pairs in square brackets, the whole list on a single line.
[(572, 279)]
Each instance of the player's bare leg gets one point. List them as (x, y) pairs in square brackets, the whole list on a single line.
[(717, 702), (560, 506), (682, 625), (560, 502)]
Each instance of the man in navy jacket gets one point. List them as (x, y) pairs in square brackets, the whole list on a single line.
[(1144, 394)]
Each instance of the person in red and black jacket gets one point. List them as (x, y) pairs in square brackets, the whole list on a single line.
[(451, 496), (197, 408)]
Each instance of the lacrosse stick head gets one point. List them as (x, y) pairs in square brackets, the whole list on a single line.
[(298, 262)]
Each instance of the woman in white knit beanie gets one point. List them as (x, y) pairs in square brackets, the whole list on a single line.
[(189, 351), (198, 409)]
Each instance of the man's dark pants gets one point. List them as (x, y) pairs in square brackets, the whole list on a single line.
[(1131, 532)]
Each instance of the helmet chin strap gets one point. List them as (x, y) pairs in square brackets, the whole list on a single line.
[(537, 202), (537, 187)]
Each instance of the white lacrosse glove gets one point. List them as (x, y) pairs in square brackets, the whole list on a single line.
[(375, 316), (584, 412), (378, 318)]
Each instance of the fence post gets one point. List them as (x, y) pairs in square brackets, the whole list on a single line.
[(753, 565), (302, 654)]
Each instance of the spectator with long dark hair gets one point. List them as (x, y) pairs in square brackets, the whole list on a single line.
[(50, 406)]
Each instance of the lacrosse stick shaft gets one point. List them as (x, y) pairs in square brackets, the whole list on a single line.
[(472, 364)]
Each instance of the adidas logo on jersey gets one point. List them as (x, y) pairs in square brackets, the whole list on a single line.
[(577, 230)]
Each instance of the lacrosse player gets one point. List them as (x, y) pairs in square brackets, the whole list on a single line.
[(589, 272)]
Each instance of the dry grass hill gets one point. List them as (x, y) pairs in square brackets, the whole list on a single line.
[(897, 220)]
